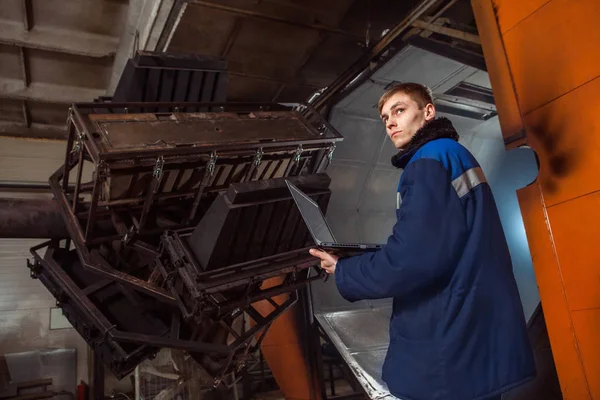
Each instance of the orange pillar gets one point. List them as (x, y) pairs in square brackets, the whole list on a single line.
[(544, 65), (284, 350)]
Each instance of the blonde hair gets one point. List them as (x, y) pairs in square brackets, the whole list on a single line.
[(421, 94)]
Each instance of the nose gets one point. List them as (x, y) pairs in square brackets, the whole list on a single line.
[(391, 122)]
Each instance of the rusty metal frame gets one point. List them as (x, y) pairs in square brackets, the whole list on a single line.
[(81, 215), (103, 336), (82, 145), (194, 290), (117, 236), (302, 110)]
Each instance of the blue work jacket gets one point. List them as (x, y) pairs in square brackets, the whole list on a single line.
[(457, 329)]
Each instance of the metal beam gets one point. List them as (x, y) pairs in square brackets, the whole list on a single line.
[(434, 19), (57, 40), (455, 33), (31, 218), (168, 20), (269, 17), (35, 131)]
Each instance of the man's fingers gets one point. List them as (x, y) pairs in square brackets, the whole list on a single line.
[(318, 253), (328, 261), (327, 268)]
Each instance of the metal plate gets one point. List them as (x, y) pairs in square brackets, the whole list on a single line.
[(187, 130), (359, 329), (361, 337)]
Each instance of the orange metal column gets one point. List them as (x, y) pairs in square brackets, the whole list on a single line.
[(545, 71), (284, 350)]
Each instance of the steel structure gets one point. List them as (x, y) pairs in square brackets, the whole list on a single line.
[(185, 217)]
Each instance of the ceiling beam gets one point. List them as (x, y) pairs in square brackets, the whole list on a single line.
[(63, 41), (433, 19), (275, 18), (27, 16), (47, 92), (26, 114), (454, 33), (35, 131), (25, 66)]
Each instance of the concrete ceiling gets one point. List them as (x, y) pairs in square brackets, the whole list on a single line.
[(57, 52), (52, 53), (284, 50)]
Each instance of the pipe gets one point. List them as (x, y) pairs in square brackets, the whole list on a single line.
[(31, 219), (24, 186), (21, 186)]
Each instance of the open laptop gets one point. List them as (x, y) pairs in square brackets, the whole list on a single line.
[(318, 226)]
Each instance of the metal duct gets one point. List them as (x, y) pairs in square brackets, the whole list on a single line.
[(31, 219)]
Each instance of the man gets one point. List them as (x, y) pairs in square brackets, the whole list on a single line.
[(457, 329)]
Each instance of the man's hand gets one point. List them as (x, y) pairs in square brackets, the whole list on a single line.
[(328, 261)]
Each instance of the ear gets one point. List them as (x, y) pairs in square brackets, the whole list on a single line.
[(429, 111)]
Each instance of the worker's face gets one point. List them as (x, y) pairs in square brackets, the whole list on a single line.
[(403, 118)]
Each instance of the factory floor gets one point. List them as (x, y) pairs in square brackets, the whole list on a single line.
[(341, 388)]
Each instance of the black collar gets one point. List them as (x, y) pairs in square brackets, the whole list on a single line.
[(435, 129)]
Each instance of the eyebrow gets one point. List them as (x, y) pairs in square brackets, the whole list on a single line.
[(396, 104)]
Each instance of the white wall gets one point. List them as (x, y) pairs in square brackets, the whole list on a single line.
[(24, 302)]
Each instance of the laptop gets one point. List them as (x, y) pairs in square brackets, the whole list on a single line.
[(318, 226)]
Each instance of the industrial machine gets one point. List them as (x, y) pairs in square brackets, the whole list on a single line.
[(186, 215), (176, 227)]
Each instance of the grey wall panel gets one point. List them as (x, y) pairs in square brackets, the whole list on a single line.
[(380, 192), (350, 97), (416, 65), (386, 152), (461, 124), (366, 102), (326, 297), (362, 137), (457, 77), (377, 227), (480, 78), (347, 181), (345, 224)]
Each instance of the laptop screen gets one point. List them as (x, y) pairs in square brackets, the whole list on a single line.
[(312, 215)]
